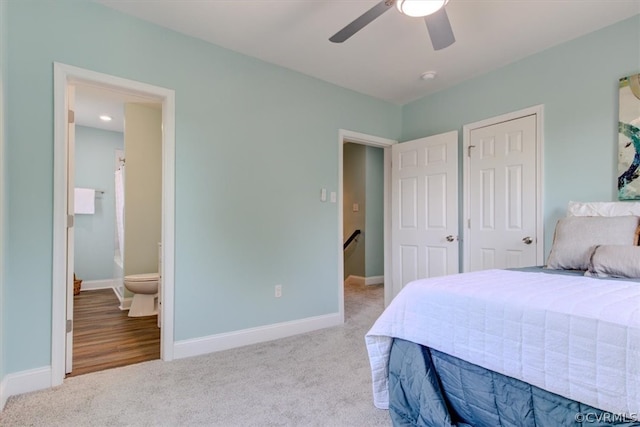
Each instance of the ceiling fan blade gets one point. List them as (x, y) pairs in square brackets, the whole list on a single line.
[(362, 21), (439, 29)]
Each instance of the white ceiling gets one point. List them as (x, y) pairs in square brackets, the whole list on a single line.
[(91, 102), (383, 60), (386, 58)]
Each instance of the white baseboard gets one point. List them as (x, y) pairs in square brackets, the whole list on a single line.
[(374, 280), (354, 280), (365, 281), (226, 341), (24, 382), (91, 285), (125, 303)]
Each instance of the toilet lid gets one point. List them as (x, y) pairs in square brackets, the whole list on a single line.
[(145, 277)]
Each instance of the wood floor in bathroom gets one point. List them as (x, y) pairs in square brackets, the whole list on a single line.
[(105, 337)]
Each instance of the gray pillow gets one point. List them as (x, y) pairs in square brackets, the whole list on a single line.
[(615, 261), (576, 237)]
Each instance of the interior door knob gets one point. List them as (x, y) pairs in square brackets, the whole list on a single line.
[(527, 240), (450, 238)]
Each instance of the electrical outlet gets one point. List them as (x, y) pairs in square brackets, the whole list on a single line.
[(278, 292)]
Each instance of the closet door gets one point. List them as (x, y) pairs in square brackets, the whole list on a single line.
[(502, 195)]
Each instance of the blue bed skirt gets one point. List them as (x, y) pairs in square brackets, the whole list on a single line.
[(430, 388)]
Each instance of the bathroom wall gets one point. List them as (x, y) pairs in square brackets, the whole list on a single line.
[(374, 212), (94, 234), (354, 192), (142, 188)]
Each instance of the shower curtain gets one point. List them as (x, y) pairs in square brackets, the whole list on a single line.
[(119, 174)]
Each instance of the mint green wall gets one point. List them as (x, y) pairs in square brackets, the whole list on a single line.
[(254, 145), (374, 212), (577, 82), (95, 234), (354, 191)]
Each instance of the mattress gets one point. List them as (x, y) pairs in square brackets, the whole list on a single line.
[(574, 336)]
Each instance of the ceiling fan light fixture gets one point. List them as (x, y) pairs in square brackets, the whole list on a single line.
[(419, 8), (428, 75)]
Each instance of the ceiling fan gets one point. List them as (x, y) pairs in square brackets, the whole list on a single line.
[(433, 12)]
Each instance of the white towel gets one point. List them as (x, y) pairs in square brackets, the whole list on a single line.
[(84, 201)]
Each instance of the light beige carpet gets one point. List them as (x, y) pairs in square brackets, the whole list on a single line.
[(316, 379)]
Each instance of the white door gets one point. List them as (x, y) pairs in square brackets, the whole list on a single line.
[(502, 195), (71, 135), (424, 214)]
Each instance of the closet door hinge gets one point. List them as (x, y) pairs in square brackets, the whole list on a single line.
[(469, 150), (72, 116), (70, 219), (69, 325)]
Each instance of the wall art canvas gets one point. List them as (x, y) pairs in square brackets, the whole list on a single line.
[(629, 139)]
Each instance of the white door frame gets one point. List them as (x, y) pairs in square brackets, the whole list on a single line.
[(63, 76), (538, 111), (345, 136)]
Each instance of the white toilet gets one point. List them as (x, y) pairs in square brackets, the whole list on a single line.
[(145, 294)]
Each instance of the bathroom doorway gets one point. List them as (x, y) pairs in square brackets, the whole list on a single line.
[(66, 79), (109, 124)]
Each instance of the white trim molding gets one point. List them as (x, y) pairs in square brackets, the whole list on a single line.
[(226, 341), (364, 281), (125, 303), (93, 285), (64, 76), (354, 280), (24, 382), (3, 183), (374, 280)]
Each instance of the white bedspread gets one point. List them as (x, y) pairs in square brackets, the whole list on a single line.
[(574, 336)]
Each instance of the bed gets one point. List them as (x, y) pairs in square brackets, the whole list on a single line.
[(552, 346)]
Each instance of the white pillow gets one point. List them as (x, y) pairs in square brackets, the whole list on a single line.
[(603, 208), (576, 237)]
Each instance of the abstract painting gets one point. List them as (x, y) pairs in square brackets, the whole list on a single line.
[(629, 138)]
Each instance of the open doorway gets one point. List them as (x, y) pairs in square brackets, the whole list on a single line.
[(114, 211), (66, 78), (363, 214), (360, 142)]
